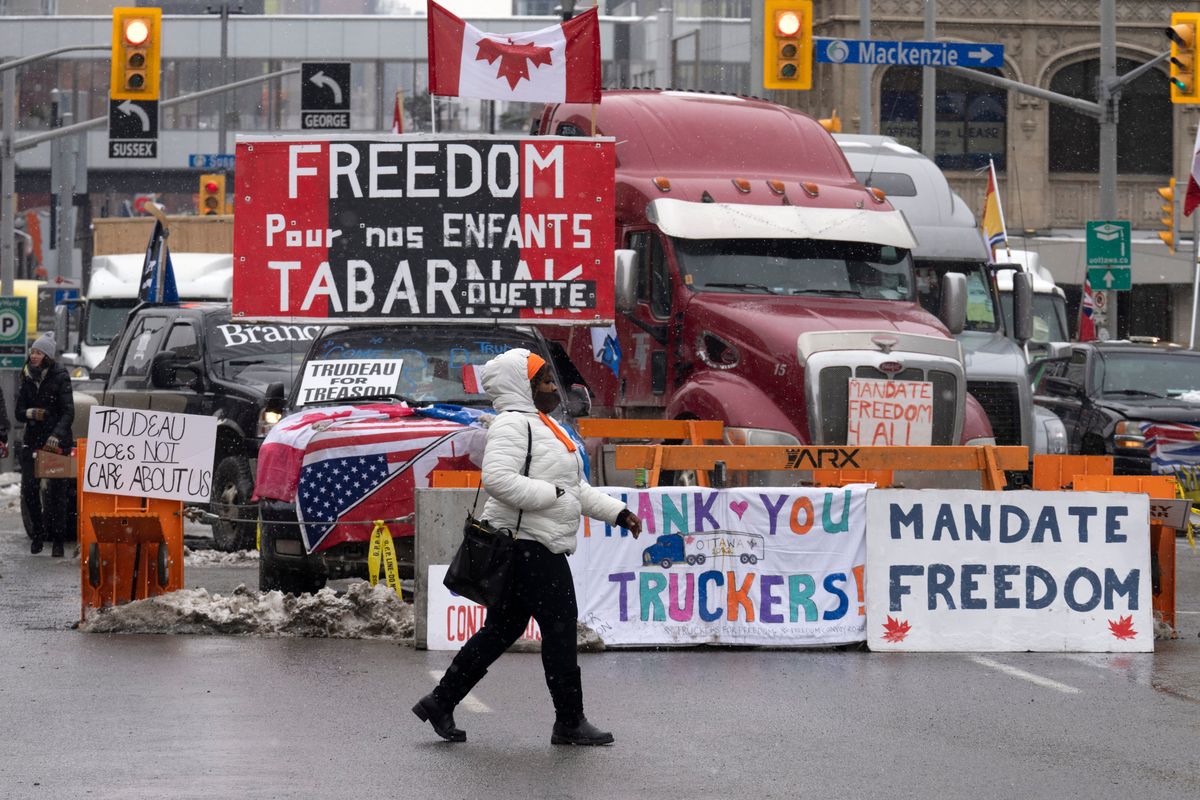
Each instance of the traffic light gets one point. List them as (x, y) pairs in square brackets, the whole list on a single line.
[(787, 44), (212, 195), (1170, 218), (1182, 34), (136, 48)]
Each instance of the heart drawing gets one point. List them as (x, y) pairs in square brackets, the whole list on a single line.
[(739, 507)]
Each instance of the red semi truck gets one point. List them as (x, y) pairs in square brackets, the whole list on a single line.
[(758, 282)]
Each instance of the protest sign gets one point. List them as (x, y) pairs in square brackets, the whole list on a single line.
[(885, 413), (1008, 571), (325, 380), (726, 566), (137, 453), (451, 619), (420, 227)]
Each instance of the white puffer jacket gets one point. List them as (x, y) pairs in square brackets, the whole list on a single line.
[(547, 518)]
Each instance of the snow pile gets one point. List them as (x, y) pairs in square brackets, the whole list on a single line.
[(216, 558), (10, 488), (362, 612), (1190, 396)]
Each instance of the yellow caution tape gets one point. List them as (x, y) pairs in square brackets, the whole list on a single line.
[(382, 550), (258, 536)]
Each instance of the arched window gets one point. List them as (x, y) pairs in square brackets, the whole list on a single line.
[(972, 117), (1145, 139)]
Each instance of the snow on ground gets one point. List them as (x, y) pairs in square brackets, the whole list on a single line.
[(216, 558), (361, 612), (10, 489)]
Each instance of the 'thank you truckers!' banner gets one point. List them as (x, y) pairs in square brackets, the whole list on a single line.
[(1004, 571), (727, 566), (425, 228)]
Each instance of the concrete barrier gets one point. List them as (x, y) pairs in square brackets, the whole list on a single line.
[(439, 530)]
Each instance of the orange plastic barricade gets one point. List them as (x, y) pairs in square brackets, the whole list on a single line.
[(695, 431), (843, 477), (454, 479), (1055, 473), (131, 548), (1162, 548), (988, 460)]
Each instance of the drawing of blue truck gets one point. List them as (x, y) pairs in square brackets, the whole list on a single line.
[(697, 548)]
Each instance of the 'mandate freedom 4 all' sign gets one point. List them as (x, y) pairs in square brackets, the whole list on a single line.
[(424, 227)]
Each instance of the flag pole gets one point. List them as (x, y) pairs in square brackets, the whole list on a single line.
[(1000, 207), (1195, 276), (432, 112)]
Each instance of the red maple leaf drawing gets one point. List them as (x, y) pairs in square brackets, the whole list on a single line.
[(894, 630), (514, 58), (1122, 628)]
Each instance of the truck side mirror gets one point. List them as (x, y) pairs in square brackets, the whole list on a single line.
[(274, 399), (1022, 306), (953, 311), (625, 273), (163, 371), (579, 401)]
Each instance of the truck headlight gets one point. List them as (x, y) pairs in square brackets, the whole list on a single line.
[(267, 420), (760, 436), (1056, 435), (1128, 434)]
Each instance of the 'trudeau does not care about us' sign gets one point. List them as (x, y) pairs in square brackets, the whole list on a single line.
[(425, 228)]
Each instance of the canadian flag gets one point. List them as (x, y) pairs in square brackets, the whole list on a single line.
[(1192, 199), (1087, 311), (559, 64), (472, 377)]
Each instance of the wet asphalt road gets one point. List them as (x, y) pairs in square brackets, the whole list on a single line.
[(153, 716)]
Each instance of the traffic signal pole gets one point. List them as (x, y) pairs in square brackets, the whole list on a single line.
[(929, 89)]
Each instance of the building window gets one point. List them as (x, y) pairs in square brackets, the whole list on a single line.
[(1145, 139), (972, 117)]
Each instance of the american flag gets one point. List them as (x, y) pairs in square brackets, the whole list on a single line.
[(364, 470), (1172, 445)]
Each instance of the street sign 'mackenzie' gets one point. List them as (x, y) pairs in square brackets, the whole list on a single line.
[(425, 228)]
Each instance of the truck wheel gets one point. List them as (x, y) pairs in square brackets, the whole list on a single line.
[(700, 558), (691, 560), (665, 563), (753, 559), (233, 486), (745, 559), (297, 582)]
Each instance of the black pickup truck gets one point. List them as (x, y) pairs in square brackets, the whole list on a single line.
[(1109, 394), (193, 358)]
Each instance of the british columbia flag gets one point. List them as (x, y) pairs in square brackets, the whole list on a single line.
[(365, 470), (1172, 446)]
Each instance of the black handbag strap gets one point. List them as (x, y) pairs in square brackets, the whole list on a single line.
[(524, 471)]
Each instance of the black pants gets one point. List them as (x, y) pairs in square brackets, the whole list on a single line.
[(48, 521), (540, 587)]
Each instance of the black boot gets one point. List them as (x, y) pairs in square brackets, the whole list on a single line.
[(570, 725), (56, 550), (578, 731), (35, 545), (428, 709)]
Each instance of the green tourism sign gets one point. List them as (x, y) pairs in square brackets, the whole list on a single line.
[(1110, 279), (1109, 244)]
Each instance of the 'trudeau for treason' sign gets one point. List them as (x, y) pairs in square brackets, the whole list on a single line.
[(425, 228)]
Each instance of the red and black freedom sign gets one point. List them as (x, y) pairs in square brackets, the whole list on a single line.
[(427, 228)]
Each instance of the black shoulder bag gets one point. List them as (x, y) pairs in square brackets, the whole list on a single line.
[(479, 570)]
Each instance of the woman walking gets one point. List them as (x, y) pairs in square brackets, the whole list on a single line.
[(45, 402), (544, 508)]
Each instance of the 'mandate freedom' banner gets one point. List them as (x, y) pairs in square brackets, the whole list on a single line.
[(432, 228), (1009, 571)]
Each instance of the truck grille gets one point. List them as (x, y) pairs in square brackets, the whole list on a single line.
[(1002, 405), (834, 388)]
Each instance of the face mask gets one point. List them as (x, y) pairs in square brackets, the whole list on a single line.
[(546, 402)]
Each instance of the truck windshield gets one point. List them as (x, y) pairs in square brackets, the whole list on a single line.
[(1146, 374), (259, 355), (428, 364), (981, 310), (795, 266), (106, 319)]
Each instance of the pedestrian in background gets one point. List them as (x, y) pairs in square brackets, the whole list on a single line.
[(543, 507), (46, 404)]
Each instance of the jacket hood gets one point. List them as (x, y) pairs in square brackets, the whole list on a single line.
[(506, 380)]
